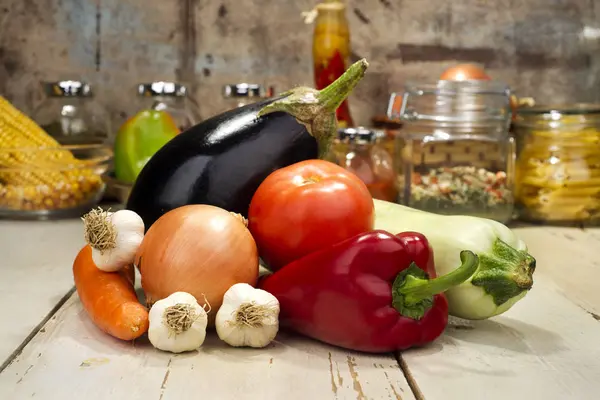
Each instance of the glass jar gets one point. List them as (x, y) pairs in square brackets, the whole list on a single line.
[(558, 164), (454, 155), (172, 98), (240, 94), (70, 115), (361, 151)]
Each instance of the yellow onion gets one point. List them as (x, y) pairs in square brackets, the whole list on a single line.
[(199, 249)]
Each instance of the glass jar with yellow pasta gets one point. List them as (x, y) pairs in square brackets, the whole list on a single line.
[(558, 164)]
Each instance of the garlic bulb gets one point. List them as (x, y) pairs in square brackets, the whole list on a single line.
[(114, 237), (248, 317), (177, 323)]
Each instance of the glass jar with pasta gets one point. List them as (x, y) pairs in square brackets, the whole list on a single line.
[(558, 164)]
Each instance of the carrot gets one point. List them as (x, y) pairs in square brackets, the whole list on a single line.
[(109, 298)]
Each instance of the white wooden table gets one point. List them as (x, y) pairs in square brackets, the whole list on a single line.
[(546, 347)]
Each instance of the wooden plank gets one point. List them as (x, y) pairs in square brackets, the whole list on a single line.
[(70, 358), (35, 274), (570, 257), (545, 347)]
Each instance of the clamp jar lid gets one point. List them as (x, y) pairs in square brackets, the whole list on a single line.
[(453, 104)]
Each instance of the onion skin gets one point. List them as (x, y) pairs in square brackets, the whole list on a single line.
[(199, 249), (465, 72)]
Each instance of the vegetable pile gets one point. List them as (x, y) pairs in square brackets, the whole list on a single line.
[(345, 269)]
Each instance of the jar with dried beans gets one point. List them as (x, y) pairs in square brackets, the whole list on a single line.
[(454, 155)]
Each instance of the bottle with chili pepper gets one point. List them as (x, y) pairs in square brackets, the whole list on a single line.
[(331, 49)]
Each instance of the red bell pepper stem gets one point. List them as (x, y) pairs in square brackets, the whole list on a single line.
[(412, 292)]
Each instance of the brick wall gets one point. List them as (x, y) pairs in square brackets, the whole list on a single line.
[(542, 48)]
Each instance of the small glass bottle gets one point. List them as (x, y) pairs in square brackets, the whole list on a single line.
[(454, 154), (360, 151), (558, 164), (69, 114), (240, 94), (331, 50), (172, 98)]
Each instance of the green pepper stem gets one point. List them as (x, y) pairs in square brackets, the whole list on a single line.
[(316, 109), (413, 291), (416, 289)]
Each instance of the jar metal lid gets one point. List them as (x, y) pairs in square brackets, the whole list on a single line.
[(162, 88), (68, 88), (563, 109), (575, 116), (359, 134), (247, 90)]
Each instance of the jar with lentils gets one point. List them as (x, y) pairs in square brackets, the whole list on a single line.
[(454, 155)]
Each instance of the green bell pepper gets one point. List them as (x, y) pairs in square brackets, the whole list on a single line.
[(138, 139)]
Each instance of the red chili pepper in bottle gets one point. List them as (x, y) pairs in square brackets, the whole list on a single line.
[(331, 50), (375, 292)]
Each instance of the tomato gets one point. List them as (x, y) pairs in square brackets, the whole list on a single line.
[(305, 207), (463, 72)]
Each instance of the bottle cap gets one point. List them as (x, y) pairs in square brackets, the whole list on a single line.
[(161, 88), (247, 90), (67, 88), (358, 134)]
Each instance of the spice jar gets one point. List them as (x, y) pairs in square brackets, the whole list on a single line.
[(454, 155), (172, 98), (361, 151), (240, 94), (558, 164), (70, 114)]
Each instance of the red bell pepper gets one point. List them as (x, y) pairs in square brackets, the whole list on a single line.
[(375, 292)]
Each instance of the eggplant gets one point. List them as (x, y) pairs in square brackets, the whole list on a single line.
[(222, 160)]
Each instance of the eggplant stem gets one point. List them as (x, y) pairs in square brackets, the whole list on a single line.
[(333, 95), (316, 109)]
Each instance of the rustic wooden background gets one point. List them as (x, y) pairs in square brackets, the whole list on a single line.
[(549, 49)]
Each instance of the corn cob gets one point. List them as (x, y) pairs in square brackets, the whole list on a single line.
[(39, 180), (26, 128)]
